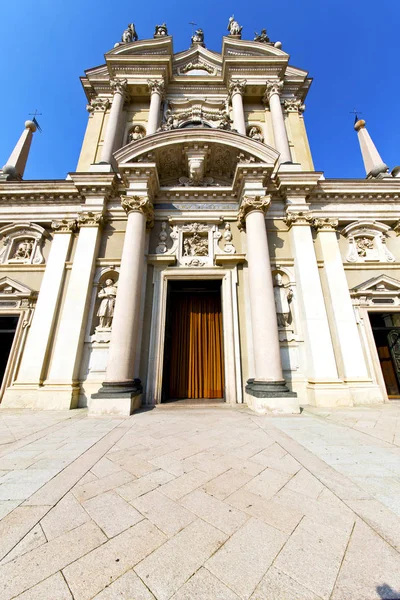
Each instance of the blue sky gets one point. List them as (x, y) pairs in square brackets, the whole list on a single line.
[(351, 49)]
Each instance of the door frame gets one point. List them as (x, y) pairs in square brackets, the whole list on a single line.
[(371, 344), (230, 325)]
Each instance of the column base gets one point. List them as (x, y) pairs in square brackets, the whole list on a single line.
[(271, 397), (117, 398)]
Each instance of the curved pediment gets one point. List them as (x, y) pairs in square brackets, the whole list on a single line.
[(214, 153), (157, 46), (197, 61)]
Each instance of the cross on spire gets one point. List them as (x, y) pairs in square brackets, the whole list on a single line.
[(193, 24), (355, 112), (34, 115)]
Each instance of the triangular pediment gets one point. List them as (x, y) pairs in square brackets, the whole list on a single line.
[(382, 283), (9, 288), (197, 61)]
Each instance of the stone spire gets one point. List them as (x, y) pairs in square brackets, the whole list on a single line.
[(15, 166), (373, 163)]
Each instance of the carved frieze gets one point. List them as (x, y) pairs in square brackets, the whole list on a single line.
[(139, 204), (250, 204), (367, 242)]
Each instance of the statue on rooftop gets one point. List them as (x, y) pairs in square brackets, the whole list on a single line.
[(233, 27), (160, 30), (262, 37), (129, 34), (198, 37)]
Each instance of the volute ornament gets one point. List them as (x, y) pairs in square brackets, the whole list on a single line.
[(98, 105), (118, 86), (325, 224), (237, 86), (250, 204), (294, 105), (64, 225), (139, 204), (273, 87), (156, 86), (298, 218), (90, 219)]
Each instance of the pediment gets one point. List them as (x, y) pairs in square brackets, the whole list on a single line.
[(160, 46), (197, 61), (9, 288), (234, 47), (380, 284)]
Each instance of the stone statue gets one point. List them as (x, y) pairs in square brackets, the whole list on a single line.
[(229, 248), (262, 37), (160, 30), (226, 122), (256, 134), (129, 34), (169, 124), (24, 250), (107, 304), (198, 37), (234, 27), (137, 133), (283, 297)]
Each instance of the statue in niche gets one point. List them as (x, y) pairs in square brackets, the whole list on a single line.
[(24, 250), (255, 134), (106, 309), (137, 133), (283, 297), (262, 37), (198, 37), (160, 30), (129, 34), (229, 248), (233, 27)]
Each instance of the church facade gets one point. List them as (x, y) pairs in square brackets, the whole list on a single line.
[(195, 253)]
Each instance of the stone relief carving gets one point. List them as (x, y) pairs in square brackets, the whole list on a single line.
[(195, 245), (249, 204), (234, 28), (105, 312), (198, 38), (98, 105), (229, 248), (129, 35), (137, 132), (161, 30), (22, 244), (255, 134), (197, 65), (367, 242)]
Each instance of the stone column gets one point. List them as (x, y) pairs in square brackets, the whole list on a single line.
[(33, 363), (157, 89), (61, 383), (273, 98), (353, 368), (119, 89), (236, 92), (121, 392), (268, 390)]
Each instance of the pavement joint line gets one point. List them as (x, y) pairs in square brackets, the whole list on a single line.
[(64, 494), (340, 476), (343, 557)]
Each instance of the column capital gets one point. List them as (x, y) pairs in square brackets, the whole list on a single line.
[(98, 105), (119, 86), (157, 86), (293, 105), (273, 87), (298, 218), (237, 86), (90, 219), (325, 224), (250, 204), (64, 225), (140, 204)]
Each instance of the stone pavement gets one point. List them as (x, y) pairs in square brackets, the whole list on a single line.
[(200, 503)]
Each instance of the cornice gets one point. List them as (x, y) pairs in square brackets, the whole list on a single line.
[(40, 192)]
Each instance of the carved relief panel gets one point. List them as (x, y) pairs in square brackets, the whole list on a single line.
[(367, 242), (22, 243)]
